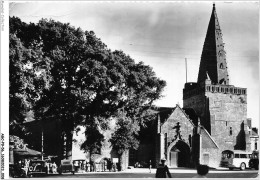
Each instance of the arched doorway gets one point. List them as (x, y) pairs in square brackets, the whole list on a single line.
[(178, 154)]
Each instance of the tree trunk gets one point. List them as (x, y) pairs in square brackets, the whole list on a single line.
[(120, 163), (69, 135)]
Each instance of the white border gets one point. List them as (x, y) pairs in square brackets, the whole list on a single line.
[(5, 87)]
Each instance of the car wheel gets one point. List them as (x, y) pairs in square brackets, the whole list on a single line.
[(242, 166)]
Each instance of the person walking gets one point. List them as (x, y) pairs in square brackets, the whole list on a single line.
[(162, 170), (150, 166), (202, 171)]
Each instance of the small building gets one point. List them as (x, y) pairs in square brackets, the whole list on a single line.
[(254, 139)]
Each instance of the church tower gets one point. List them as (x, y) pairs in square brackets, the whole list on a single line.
[(213, 59), (222, 107)]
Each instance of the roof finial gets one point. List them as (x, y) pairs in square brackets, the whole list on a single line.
[(213, 4)]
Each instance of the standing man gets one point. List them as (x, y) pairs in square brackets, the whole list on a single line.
[(162, 170), (150, 166)]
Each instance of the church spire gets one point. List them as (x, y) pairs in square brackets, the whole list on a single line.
[(213, 59)]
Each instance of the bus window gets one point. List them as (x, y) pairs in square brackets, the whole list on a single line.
[(236, 155), (243, 155)]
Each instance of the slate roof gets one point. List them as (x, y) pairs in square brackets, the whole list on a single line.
[(192, 115)]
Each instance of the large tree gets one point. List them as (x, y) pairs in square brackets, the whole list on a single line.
[(77, 80)]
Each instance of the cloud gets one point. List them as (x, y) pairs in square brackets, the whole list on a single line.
[(163, 34)]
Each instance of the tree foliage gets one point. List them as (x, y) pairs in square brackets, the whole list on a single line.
[(66, 74), (125, 135), (28, 76)]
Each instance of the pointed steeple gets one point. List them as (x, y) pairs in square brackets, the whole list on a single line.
[(213, 59)]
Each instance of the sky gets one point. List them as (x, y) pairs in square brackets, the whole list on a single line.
[(163, 34)]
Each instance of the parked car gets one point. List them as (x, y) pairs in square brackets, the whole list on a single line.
[(37, 168), (254, 160), (15, 171), (66, 166)]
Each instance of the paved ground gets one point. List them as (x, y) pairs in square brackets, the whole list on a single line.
[(176, 173)]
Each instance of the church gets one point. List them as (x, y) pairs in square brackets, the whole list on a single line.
[(213, 118)]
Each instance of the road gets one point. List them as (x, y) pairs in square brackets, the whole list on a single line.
[(176, 173)]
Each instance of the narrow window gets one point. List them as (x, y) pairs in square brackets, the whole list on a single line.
[(226, 123), (230, 131), (255, 145), (221, 66)]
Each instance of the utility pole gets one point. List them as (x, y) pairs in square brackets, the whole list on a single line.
[(42, 142), (186, 68)]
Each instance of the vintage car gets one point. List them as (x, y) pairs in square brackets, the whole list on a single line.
[(15, 171), (254, 160), (66, 166), (37, 168)]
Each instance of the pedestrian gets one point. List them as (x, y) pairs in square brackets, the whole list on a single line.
[(109, 165), (162, 170), (54, 168), (202, 171), (150, 166), (87, 164), (91, 166)]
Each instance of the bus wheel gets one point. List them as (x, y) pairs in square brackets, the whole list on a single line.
[(242, 166)]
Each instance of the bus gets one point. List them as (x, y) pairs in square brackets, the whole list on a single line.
[(235, 159)]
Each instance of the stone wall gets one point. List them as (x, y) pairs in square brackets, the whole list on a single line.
[(223, 112), (210, 157), (228, 114), (186, 126), (177, 132), (210, 153), (197, 102)]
